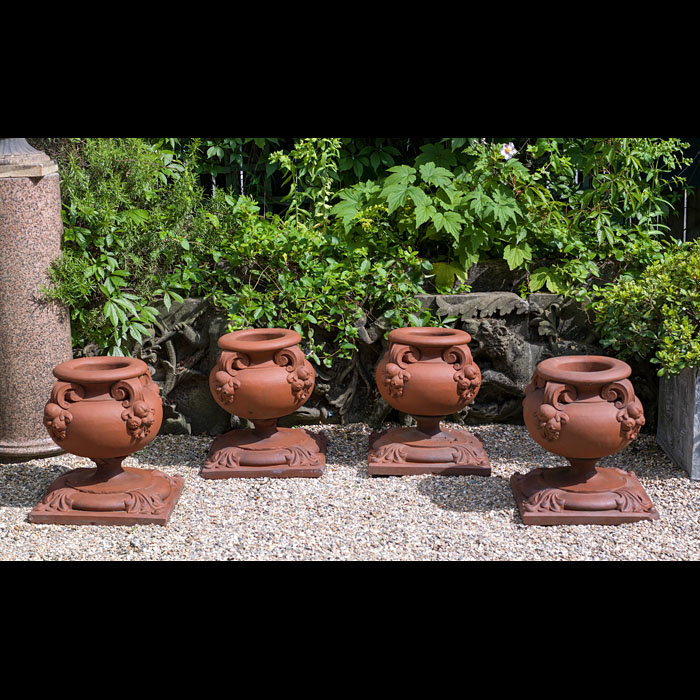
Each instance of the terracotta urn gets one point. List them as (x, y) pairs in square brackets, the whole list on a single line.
[(428, 373), (262, 375), (582, 407), (106, 408)]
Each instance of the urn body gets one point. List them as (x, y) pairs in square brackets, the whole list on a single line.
[(428, 371), (261, 374), (582, 406), (103, 407)]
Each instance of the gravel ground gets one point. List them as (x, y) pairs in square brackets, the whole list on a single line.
[(348, 515)]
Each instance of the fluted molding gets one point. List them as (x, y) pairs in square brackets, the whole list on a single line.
[(19, 159)]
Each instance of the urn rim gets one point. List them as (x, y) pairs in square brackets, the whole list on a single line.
[(583, 369), (256, 340), (100, 369), (429, 336)]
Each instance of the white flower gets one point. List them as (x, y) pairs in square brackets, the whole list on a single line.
[(508, 150)]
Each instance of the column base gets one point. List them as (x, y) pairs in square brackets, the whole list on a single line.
[(25, 452)]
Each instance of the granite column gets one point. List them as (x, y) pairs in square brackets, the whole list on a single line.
[(34, 333)]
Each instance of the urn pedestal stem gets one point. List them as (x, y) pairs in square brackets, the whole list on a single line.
[(429, 425), (107, 469), (580, 471), (265, 428)]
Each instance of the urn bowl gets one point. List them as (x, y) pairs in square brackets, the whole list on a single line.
[(103, 407), (428, 371)]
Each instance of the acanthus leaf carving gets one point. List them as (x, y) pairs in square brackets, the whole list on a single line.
[(548, 500), (141, 502), (224, 459), (59, 500), (393, 453), (630, 501), (300, 456), (466, 454)]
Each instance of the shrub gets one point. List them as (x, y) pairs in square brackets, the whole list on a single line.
[(139, 230), (576, 203), (272, 272), (127, 210), (655, 316)]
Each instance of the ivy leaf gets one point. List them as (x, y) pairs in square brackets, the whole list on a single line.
[(546, 276), (437, 154), (348, 207), (450, 221), (445, 275), (419, 196), (396, 196), (538, 278), (424, 213), (515, 255), (472, 238), (479, 202), (440, 177), (401, 175), (505, 206)]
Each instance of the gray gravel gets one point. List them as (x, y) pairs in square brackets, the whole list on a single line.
[(348, 515)]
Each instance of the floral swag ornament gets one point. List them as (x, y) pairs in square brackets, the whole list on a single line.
[(395, 375), (57, 417), (138, 415)]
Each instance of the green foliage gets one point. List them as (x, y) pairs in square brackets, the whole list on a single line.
[(656, 315), (310, 170), (277, 272), (126, 212), (139, 231), (363, 158), (334, 232), (240, 163), (572, 203)]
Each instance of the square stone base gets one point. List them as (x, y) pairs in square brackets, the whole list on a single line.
[(579, 517), (87, 517), (287, 454), (407, 452), (443, 469)]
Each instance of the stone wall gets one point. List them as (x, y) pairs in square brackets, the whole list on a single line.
[(510, 336)]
